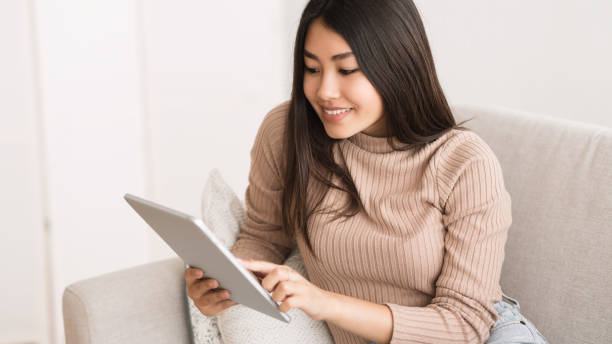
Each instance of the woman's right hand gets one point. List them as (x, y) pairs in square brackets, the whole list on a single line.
[(209, 301)]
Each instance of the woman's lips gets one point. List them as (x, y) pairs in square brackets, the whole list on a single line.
[(335, 115)]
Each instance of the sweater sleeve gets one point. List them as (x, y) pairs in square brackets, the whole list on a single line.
[(476, 215), (261, 235)]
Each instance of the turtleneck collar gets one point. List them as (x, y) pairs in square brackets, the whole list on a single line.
[(373, 144)]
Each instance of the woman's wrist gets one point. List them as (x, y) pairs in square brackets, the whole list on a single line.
[(367, 319), (332, 307)]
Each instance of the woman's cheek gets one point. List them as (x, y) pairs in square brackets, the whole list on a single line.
[(309, 88)]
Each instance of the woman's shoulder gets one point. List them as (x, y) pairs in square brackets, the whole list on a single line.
[(465, 153), (275, 122), (270, 138), (463, 144), (466, 162)]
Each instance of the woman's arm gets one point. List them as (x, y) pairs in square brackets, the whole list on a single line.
[(366, 319), (261, 234)]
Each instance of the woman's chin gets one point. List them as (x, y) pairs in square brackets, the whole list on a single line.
[(338, 133)]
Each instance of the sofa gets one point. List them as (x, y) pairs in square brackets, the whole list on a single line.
[(558, 260)]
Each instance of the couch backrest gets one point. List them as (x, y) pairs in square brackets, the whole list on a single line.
[(559, 251)]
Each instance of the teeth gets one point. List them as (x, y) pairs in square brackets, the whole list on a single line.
[(336, 112)]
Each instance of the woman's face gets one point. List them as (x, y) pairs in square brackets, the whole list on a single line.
[(342, 96)]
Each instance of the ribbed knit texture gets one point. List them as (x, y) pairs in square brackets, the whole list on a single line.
[(429, 243)]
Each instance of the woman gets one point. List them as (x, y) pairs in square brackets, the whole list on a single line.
[(400, 215)]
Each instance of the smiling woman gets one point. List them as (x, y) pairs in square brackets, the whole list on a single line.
[(345, 60), (400, 214)]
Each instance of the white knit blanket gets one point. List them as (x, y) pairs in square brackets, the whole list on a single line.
[(223, 212)]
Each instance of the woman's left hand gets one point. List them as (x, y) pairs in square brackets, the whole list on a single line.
[(291, 289)]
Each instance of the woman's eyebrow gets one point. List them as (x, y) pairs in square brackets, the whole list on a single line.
[(335, 57)]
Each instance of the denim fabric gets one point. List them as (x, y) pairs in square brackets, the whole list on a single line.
[(512, 327)]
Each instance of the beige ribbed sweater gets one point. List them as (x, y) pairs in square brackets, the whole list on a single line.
[(429, 245)]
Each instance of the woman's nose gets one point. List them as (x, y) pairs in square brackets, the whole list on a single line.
[(328, 88)]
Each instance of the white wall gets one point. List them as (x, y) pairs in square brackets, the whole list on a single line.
[(23, 307), (546, 57), (93, 120), (213, 72)]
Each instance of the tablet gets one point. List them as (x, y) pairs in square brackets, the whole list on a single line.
[(199, 248)]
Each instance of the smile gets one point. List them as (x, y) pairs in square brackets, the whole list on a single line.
[(336, 112)]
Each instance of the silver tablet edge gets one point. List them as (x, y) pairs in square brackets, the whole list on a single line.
[(235, 262), (200, 224)]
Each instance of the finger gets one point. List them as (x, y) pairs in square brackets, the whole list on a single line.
[(192, 275), (283, 290), (259, 265), (256, 276), (222, 306), (199, 288), (289, 304), (217, 308), (212, 298), (281, 273)]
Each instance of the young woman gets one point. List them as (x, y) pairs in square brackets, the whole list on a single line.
[(400, 215)]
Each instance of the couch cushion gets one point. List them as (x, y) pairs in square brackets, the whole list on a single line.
[(559, 252), (223, 212)]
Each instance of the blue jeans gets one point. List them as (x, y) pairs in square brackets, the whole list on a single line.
[(512, 327)]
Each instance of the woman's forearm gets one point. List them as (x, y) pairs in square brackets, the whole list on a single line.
[(365, 319), (369, 320)]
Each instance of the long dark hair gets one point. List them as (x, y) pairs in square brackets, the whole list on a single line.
[(389, 42)]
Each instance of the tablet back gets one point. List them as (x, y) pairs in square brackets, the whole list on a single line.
[(199, 248)]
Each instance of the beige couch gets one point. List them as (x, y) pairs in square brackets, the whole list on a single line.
[(558, 256)]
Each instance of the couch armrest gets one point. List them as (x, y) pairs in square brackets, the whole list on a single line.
[(144, 304)]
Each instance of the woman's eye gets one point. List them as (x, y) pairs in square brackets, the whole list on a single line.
[(310, 70), (348, 71), (341, 71)]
